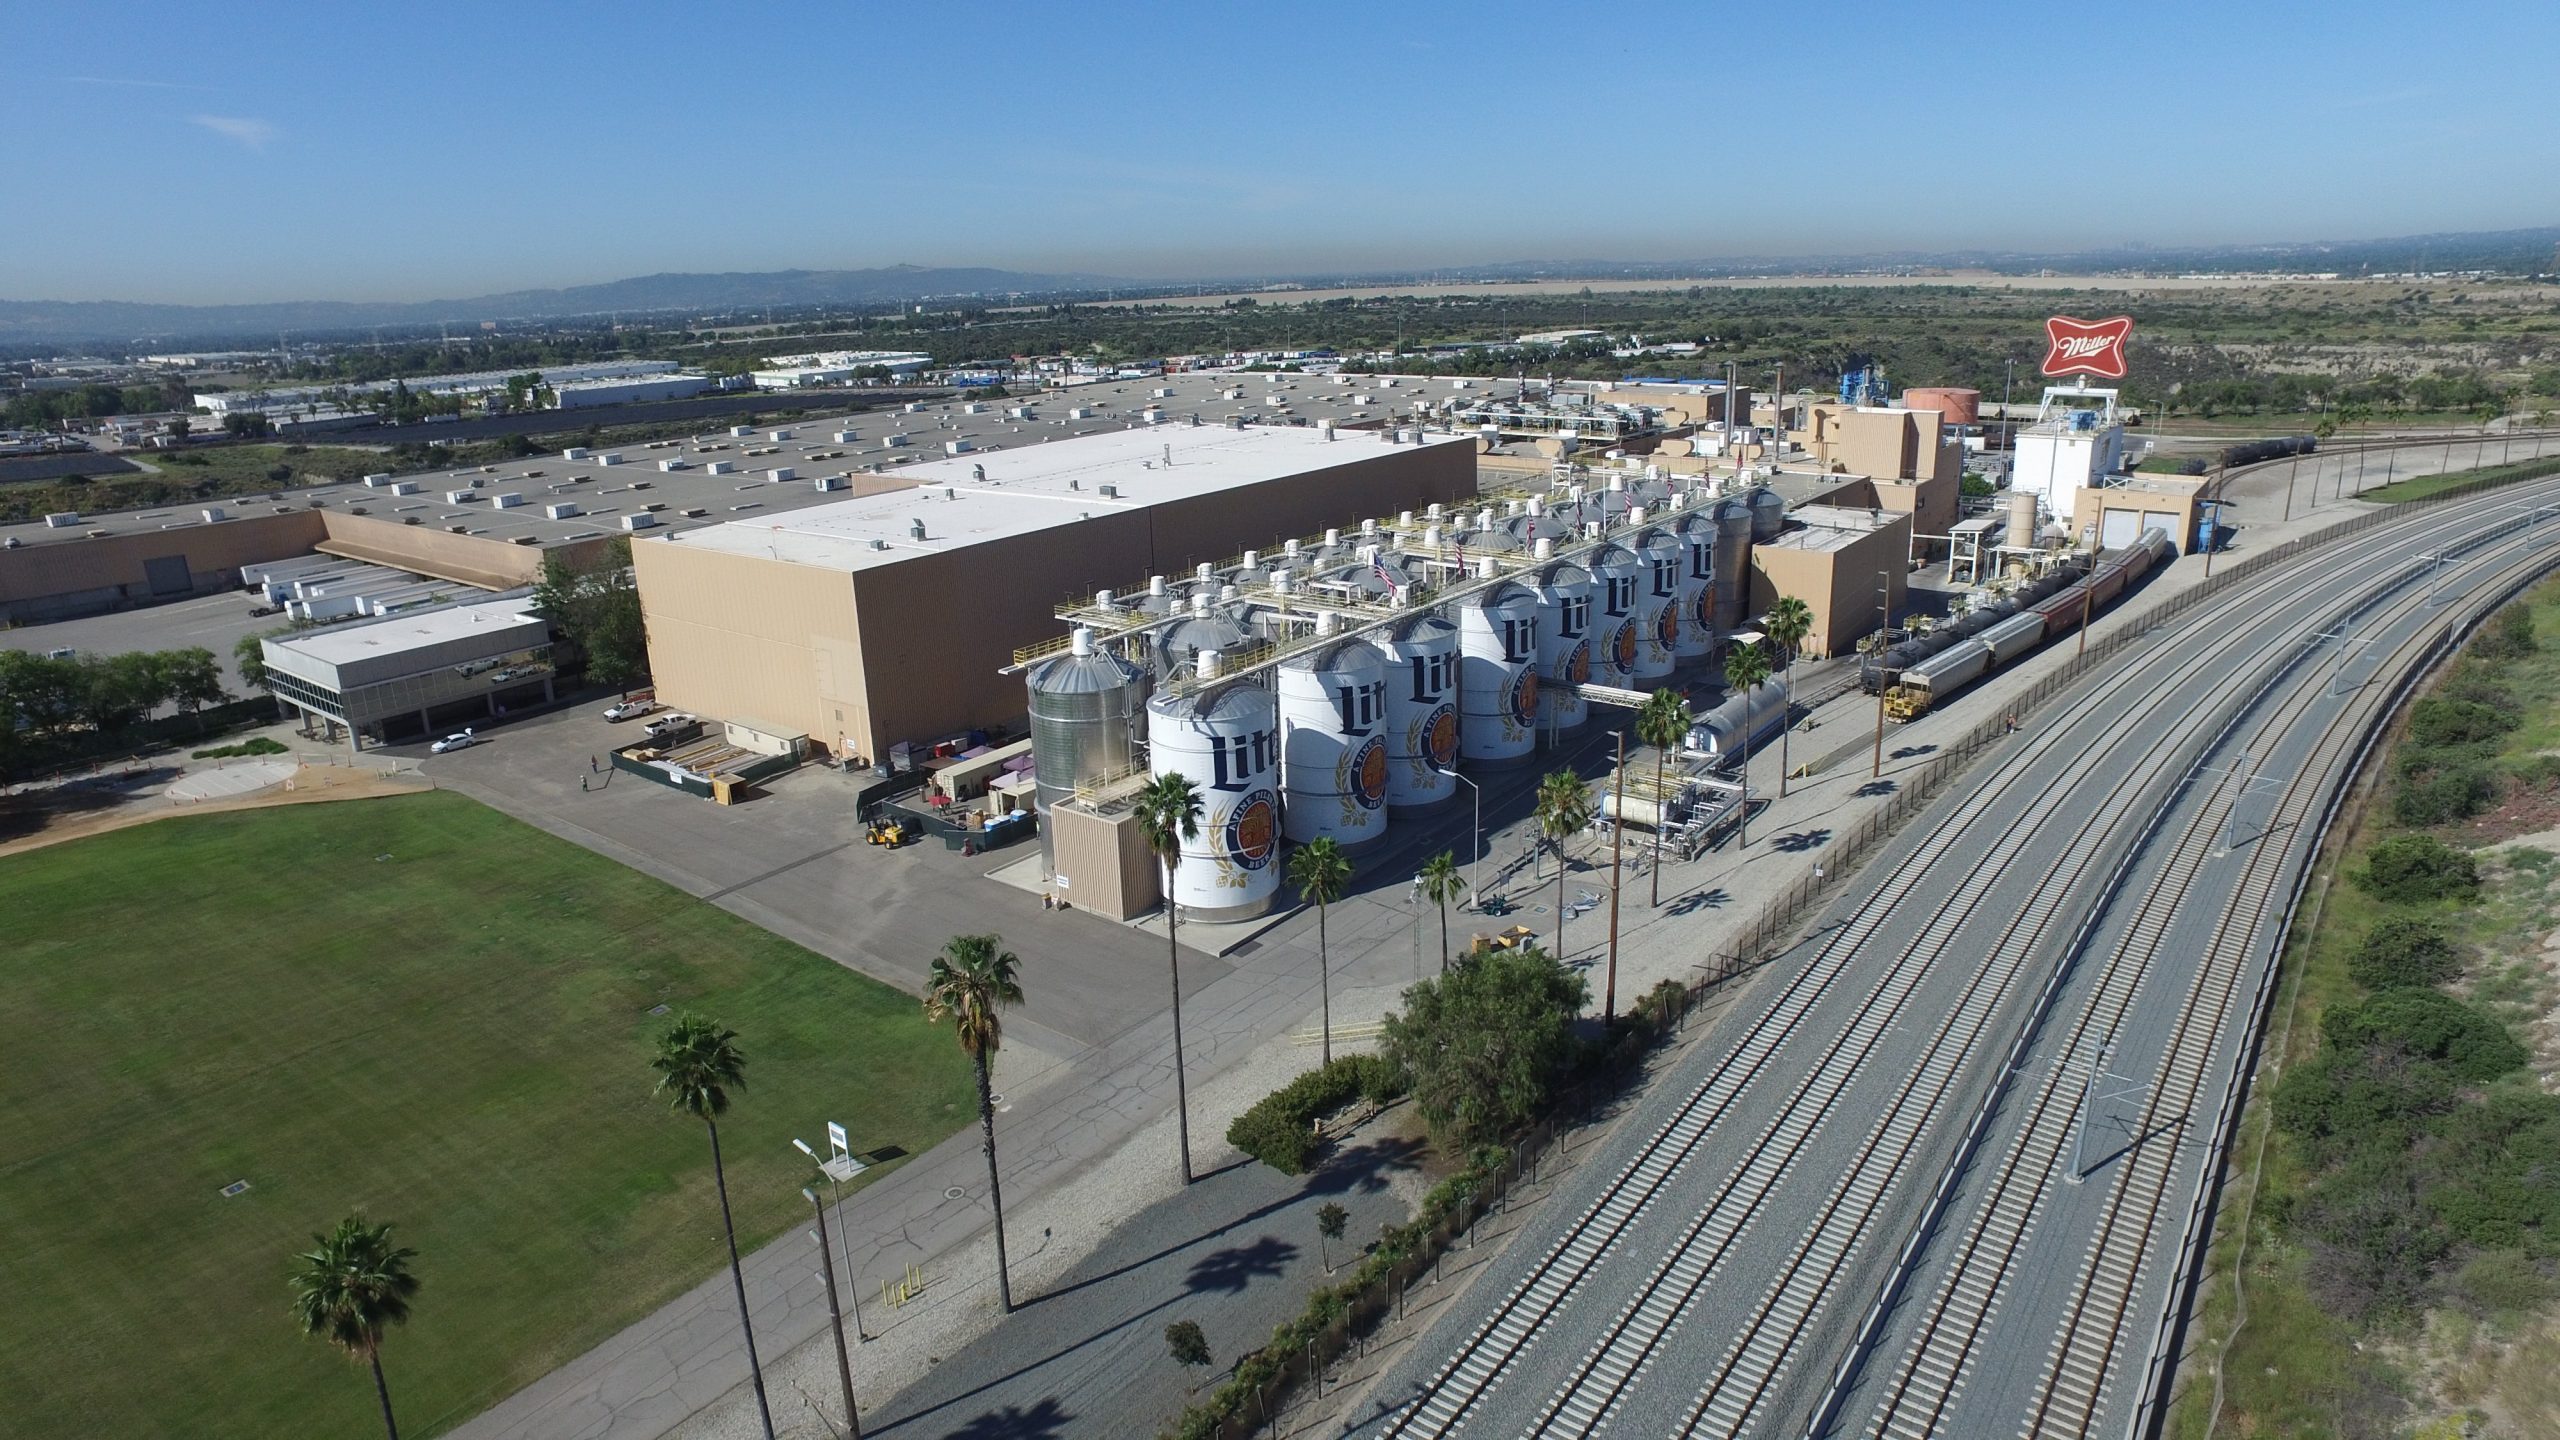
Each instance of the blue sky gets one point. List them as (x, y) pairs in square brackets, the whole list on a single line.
[(242, 152)]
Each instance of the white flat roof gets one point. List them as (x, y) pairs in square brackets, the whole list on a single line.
[(1030, 488), (344, 645)]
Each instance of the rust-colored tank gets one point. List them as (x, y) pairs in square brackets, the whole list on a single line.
[(1959, 405)]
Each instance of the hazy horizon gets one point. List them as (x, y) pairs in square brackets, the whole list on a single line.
[(280, 158)]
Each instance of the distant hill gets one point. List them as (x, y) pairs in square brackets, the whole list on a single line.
[(123, 322)]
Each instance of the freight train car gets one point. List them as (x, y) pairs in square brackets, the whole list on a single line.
[(1930, 680)]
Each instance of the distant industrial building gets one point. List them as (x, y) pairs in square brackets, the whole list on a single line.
[(579, 394), (835, 367), (416, 675), (2077, 441), (1846, 565), (305, 398), (886, 618)]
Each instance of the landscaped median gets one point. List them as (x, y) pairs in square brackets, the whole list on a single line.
[(2388, 1253)]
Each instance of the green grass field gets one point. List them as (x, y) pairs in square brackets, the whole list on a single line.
[(418, 1009)]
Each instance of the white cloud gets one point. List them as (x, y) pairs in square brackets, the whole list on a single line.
[(253, 133)]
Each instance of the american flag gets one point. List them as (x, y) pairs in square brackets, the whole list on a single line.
[(1379, 568)]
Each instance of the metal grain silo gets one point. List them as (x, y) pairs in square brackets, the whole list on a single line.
[(1768, 515), (1333, 745), (1697, 602), (1658, 614), (1225, 739), (1614, 635), (1564, 592), (1498, 676), (1732, 562), (1088, 713), (1422, 712)]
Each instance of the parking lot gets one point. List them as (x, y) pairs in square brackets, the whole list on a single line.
[(792, 859), (215, 622)]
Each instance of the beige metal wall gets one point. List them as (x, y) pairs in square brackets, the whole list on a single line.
[(734, 637), (426, 550), (1102, 861), (1840, 586), (33, 573)]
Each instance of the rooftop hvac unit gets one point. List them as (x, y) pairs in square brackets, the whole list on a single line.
[(565, 511), (212, 513), (405, 487), (719, 467), (641, 521), (915, 530), (695, 512), (973, 408), (1110, 492), (609, 458), (457, 529), (574, 452), (460, 497), (781, 473), (893, 441), (957, 447), (740, 432), (847, 437), (671, 466), (829, 483)]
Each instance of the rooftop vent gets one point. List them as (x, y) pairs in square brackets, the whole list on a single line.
[(915, 530)]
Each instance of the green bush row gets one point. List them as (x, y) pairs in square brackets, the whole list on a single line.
[(1280, 1129)]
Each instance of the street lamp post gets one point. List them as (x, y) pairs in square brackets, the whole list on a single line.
[(1475, 867), (836, 1187), (844, 1361)]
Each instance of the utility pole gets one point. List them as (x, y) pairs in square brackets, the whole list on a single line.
[(1617, 847), (2089, 599), (844, 1361), (1884, 632)]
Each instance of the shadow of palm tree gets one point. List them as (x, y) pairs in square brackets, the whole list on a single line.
[(1045, 1419), (1801, 840), (1232, 1269), (1715, 899), (1364, 1167), (1874, 788)]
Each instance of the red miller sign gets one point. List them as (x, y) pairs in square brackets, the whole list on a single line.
[(2086, 347)]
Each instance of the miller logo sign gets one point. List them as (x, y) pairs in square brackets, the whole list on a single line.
[(2086, 347)]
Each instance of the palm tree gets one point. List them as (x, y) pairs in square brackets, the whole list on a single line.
[(2484, 412), (1168, 814), (1744, 670), (348, 1291), (972, 981), (698, 1064), (1662, 722), (1321, 871), (1564, 806), (1441, 883), (1789, 621), (2356, 413)]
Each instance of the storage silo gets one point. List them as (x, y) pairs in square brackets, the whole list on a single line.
[(1658, 614), (1225, 739), (1422, 713), (1614, 635), (1697, 589), (1498, 676), (1768, 515), (1564, 592), (2022, 523), (1088, 710), (1333, 745), (1732, 562)]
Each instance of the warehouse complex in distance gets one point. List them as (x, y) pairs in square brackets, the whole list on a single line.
[(884, 618)]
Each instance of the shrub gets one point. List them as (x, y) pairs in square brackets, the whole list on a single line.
[(1279, 1129), (2426, 1025), (279, 473), (2413, 869), (2444, 793), (2507, 636), (2438, 721), (1483, 1044), (2404, 951)]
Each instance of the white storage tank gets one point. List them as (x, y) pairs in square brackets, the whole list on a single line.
[(1658, 614), (1498, 676), (1422, 713), (1333, 745), (1697, 589), (1564, 645), (1614, 634), (1226, 740), (1754, 718)]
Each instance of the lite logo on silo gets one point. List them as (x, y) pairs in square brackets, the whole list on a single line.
[(2086, 347), (1236, 761), (1251, 829), (1366, 772)]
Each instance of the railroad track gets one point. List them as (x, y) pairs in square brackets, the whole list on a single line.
[(1938, 1360), (1634, 1338)]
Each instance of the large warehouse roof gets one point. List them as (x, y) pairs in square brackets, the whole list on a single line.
[(978, 498)]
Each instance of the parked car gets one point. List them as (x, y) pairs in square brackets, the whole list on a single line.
[(464, 740), (677, 724), (631, 709)]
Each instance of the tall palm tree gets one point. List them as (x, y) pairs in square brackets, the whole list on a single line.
[(1662, 722), (1321, 872), (2354, 413), (1788, 622), (1168, 814), (972, 981), (1564, 806), (349, 1290), (698, 1064), (1744, 669), (1442, 882)]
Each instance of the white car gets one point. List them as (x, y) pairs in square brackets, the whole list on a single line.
[(629, 710), (463, 741)]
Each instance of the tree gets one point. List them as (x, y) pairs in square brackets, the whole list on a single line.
[(1168, 814), (972, 980), (1484, 1043), (1662, 722), (590, 596), (1744, 670), (194, 680), (698, 1064), (2404, 950), (1563, 807), (353, 1285), (1189, 1348), (246, 425), (1442, 882), (1321, 871), (2414, 869), (249, 657), (1790, 620), (1330, 1222), (117, 691)]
